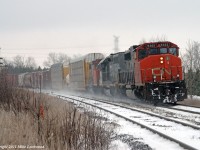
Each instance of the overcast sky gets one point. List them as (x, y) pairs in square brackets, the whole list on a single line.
[(37, 27)]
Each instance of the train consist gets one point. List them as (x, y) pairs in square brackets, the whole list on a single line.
[(152, 70)]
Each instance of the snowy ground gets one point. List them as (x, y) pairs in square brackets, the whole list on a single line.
[(130, 136), (194, 97), (139, 138)]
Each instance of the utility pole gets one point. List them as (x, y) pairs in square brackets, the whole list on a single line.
[(1, 61), (116, 42), (1, 58)]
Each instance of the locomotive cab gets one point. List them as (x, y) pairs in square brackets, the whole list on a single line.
[(159, 72)]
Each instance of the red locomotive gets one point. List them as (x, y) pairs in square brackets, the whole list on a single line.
[(153, 70)]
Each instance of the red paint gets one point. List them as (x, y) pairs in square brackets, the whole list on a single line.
[(151, 65)]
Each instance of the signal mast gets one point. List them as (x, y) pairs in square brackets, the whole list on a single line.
[(116, 41)]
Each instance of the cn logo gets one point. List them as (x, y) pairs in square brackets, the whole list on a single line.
[(160, 71)]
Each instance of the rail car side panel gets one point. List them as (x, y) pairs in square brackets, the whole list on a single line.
[(21, 79), (12, 79), (57, 76), (28, 80), (66, 75), (46, 79), (77, 75)]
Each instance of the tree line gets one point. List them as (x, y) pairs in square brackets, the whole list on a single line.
[(191, 63), (20, 64)]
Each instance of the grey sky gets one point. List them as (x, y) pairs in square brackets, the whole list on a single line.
[(37, 27)]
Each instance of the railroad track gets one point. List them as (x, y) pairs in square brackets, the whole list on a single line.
[(189, 118), (183, 108), (178, 107), (170, 129)]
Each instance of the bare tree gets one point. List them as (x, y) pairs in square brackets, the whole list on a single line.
[(30, 63), (158, 38), (63, 58), (18, 61), (191, 62), (75, 56), (7, 62), (154, 39), (142, 41), (19, 64), (56, 58)]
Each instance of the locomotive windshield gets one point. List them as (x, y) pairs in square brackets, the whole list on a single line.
[(142, 53), (163, 50), (153, 51), (173, 51)]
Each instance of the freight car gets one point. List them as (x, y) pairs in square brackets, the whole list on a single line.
[(12, 79), (59, 73), (153, 70), (39, 79), (83, 73), (46, 79), (21, 80)]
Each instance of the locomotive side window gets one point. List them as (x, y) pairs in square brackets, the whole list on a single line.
[(163, 50), (115, 59), (153, 51), (127, 56), (142, 53), (173, 51)]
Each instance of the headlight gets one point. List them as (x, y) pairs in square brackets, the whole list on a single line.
[(161, 61), (154, 78)]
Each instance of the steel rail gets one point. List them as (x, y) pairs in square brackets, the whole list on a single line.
[(183, 110)]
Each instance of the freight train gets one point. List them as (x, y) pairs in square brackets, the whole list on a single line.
[(153, 71)]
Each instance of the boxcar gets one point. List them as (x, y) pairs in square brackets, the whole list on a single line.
[(46, 79), (21, 79), (57, 76), (27, 80), (80, 73), (65, 75), (12, 79)]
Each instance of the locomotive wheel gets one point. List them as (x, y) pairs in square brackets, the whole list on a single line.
[(106, 91), (137, 93), (113, 91), (123, 92), (145, 93)]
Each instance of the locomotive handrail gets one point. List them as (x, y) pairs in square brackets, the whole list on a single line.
[(126, 77)]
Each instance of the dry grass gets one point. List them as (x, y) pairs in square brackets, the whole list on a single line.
[(29, 118)]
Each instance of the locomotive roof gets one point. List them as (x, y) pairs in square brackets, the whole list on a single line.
[(132, 48), (56, 65), (159, 43), (115, 53), (108, 57), (89, 57), (103, 60)]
